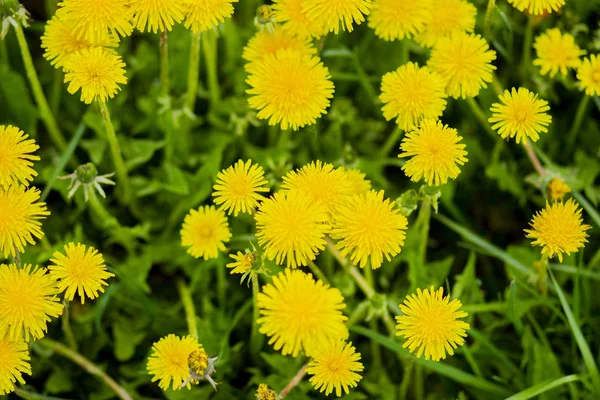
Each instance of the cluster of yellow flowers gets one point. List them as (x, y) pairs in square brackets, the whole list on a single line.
[(29, 294)]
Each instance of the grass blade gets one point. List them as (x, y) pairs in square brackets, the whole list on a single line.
[(484, 244), (569, 269), (542, 387), (584, 348), (448, 371), (588, 207)]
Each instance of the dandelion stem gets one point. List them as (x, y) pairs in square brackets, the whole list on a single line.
[(391, 141), (527, 47), (294, 382), (576, 127), (106, 219), (317, 271), (17, 258), (193, 72), (87, 365), (66, 326), (488, 18), (534, 159), (38, 93), (480, 115), (255, 343), (210, 54), (424, 220), (115, 151), (405, 383), (404, 51), (164, 64), (353, 271), (33, 396), (188, 306)]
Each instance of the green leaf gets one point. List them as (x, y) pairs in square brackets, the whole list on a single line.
[(543, 387)]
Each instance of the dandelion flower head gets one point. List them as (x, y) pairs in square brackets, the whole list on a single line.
[(238, 187), (299, 313), (205, 231), (397, 19), (431, 324), (369, 227), (97, 72), (464, 61), (264, 43), (202, 15), (290, 88), (537, 7), (411, 94), (291, 226), (60, 40), (332, 14), (588, 75), (20, 213), (79, 270), (557, 189), (446, 18), (169, 361), (98, 21), (559, 229), (27, 301), (156, 15), (335, 366), (294, 20), (16, 160), (520, 114), (321, 182), (14, 362), (436, 153), (556, 52), (242, 262)]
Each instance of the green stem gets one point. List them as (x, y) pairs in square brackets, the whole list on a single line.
[(317, 271), (17, 258), (480, 115), (254, 335), (419, 383), (497, 85), (533, 158), (210, 54), (361, 282), (404, 51), (294, 382), (527, 47), (488, 18), (576, 127), (193, 72), (66, 326), (164, 64), (40, 99), (188, 306), (115, 151), (87, 365), (33, 396), (105, 218), (405, 383), (391, 141), (424, 220)]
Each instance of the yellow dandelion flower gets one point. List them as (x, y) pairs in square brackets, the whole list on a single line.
[(156, 15), (294, 20), (290, 88), (436, 153), (537, 7), (27, 301), (20, 213), (556, 52), (16, 159), (321, 182), (98, 21), (238, 187), (299, 313), (242, 262), (264, 393), (80, 270), (335, 366), (411, 94), (332, 14), (169, 361), (291, 226), (520, 113), (369, 227), (557, 189), (588, 75), (558, 228), (446, 18), (205, 231), (14, 362), (97, 72), (358, 182), (265, 43), (431, 324), (397, 19), (464, 62), (60, 40), (202, 15)]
